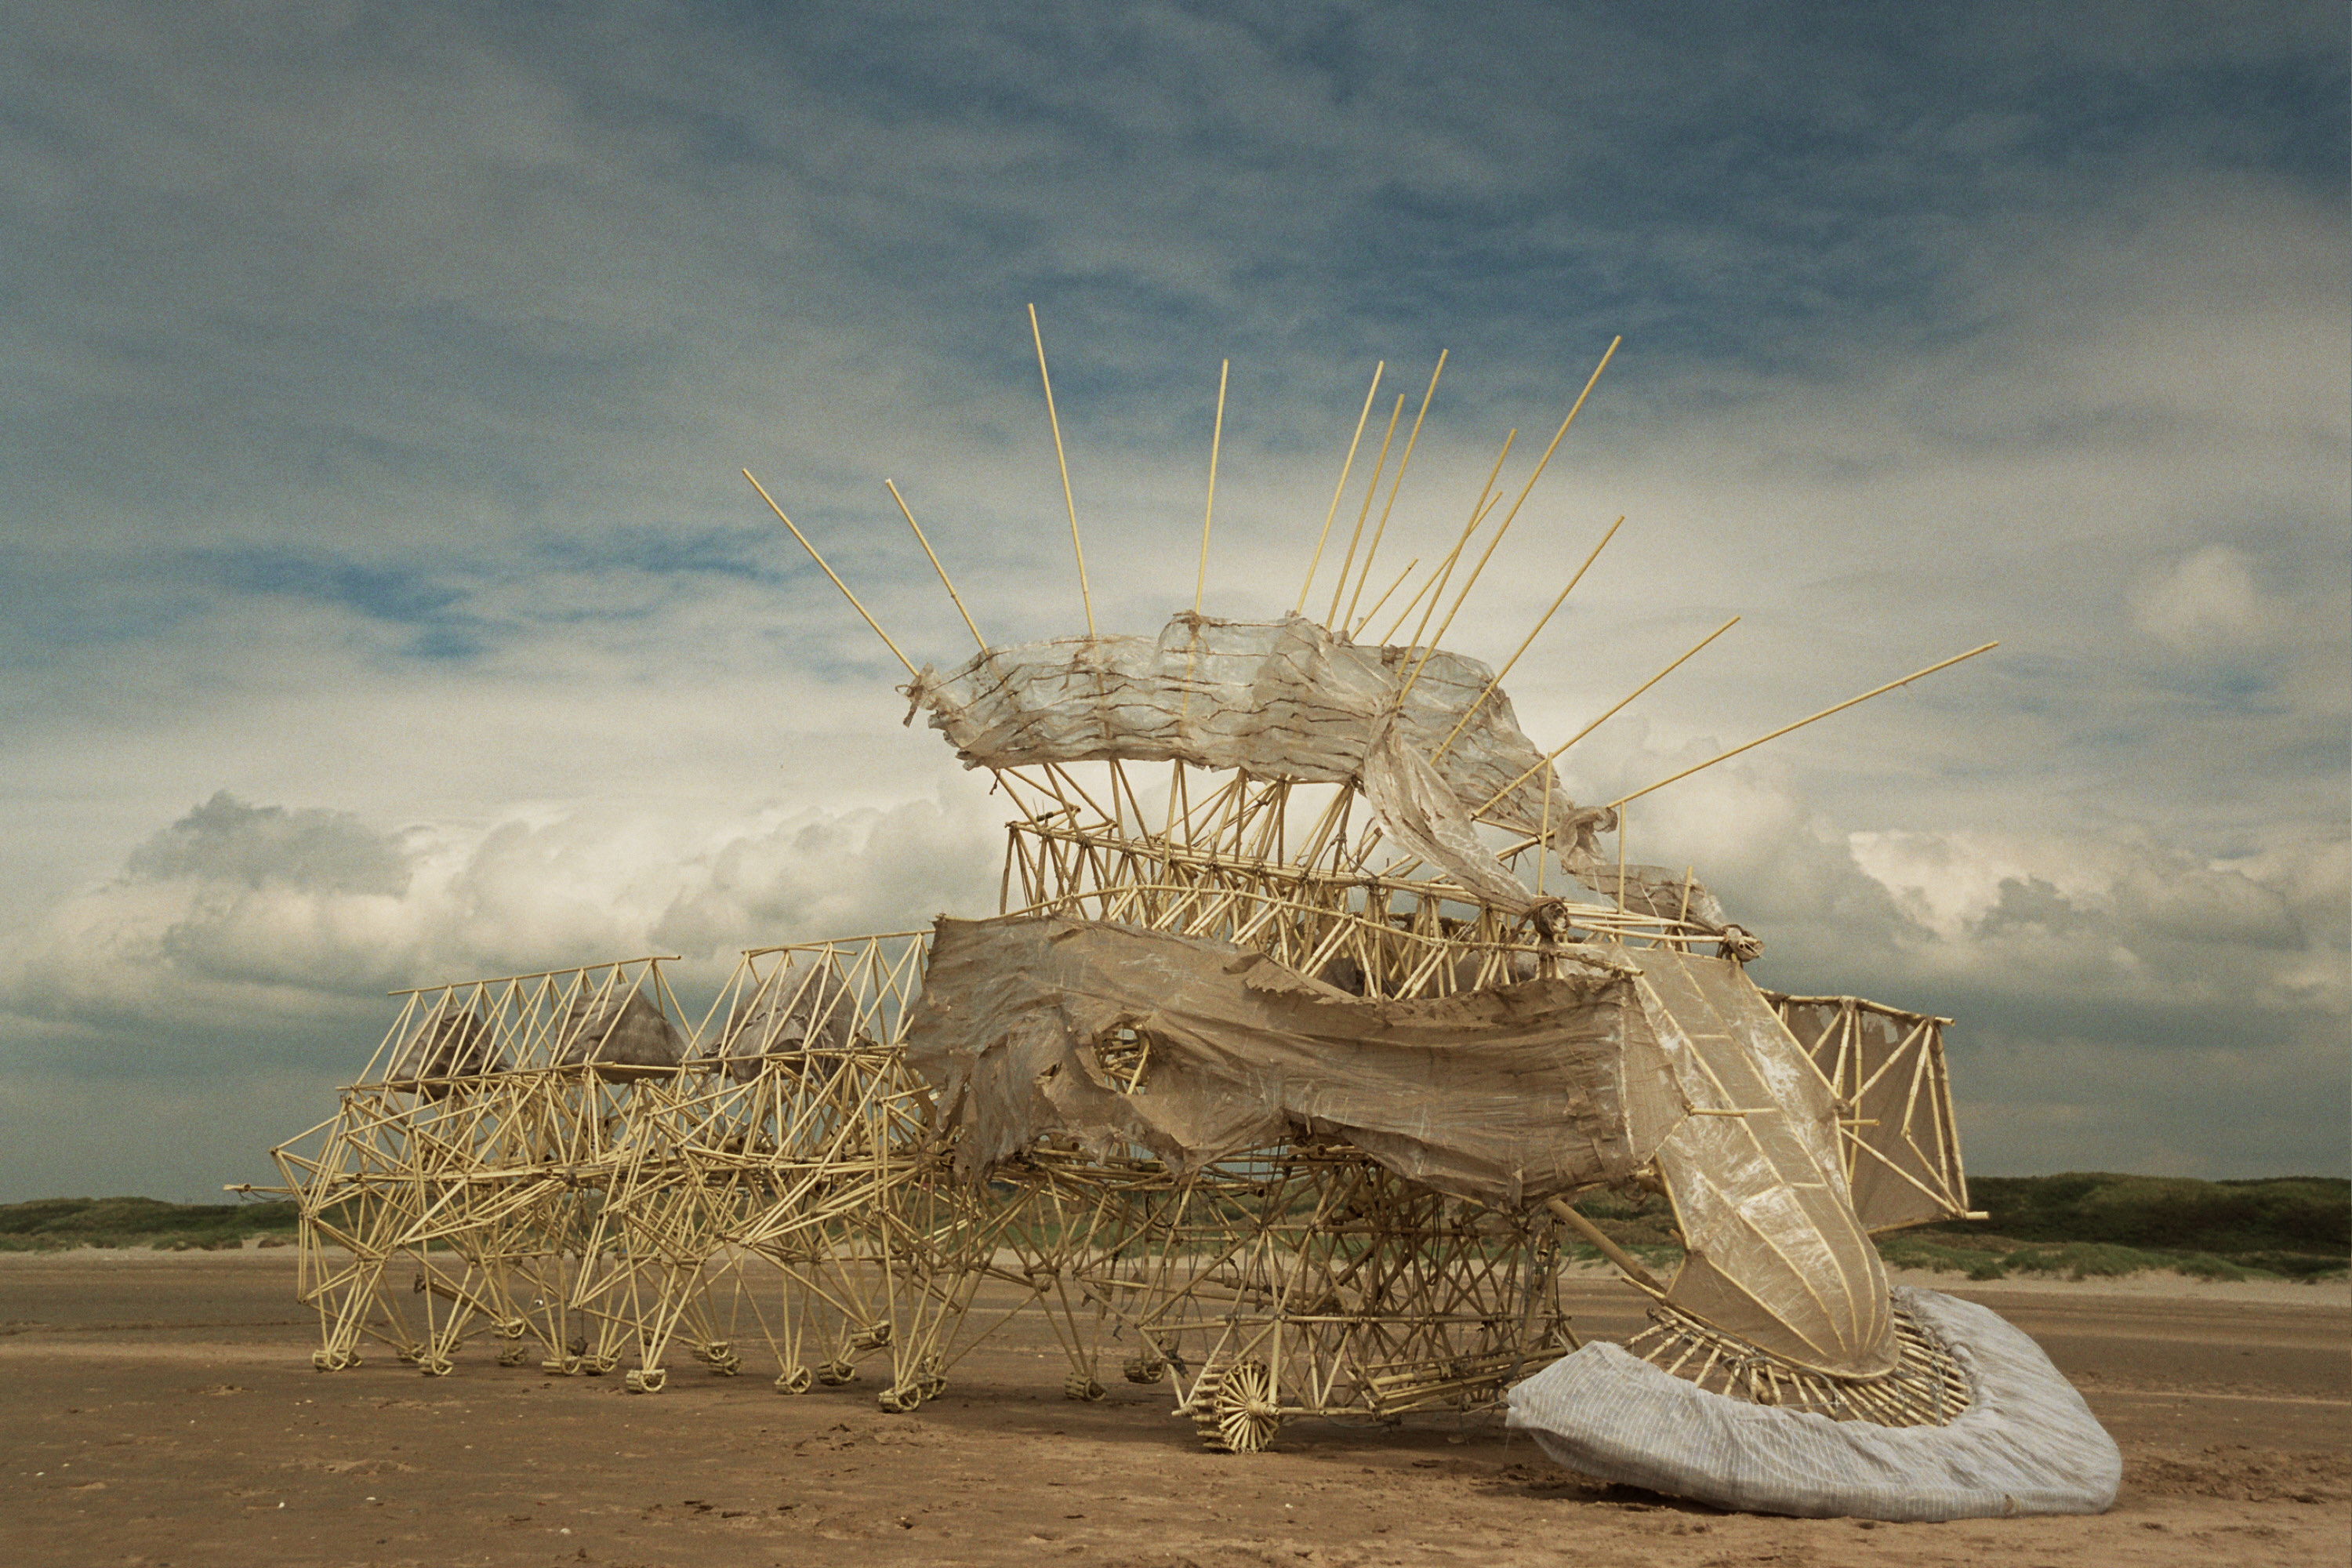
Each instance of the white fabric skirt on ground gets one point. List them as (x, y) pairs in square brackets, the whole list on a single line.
[(2027, 1443)]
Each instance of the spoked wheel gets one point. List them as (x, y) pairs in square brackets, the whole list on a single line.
[(1233, 1409)]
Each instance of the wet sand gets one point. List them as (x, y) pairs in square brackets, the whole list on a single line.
[(161, 1410)]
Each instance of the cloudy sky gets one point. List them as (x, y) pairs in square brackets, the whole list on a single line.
[(383, 604)]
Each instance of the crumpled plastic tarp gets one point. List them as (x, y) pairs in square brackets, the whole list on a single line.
[(796, 1010), (1506, 1096), (2027, 1443), (1282, 700), (1750, 1154), (454, 1042), (625, 1037)]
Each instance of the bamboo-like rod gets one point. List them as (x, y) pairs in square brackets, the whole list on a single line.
[(1374, 548), (1333, 812), (1541, 463), (1623, 833), (1339, 489), (1543, 836), (1630, 1265), (1216, 439), (830, 572), (1404, 613), (1553, 756), (1362, 512), (1085, 592), (1493, 685), (908, 513), (1478, 514), (1874, 692), (614, 964), (1175, 789), (1384, 597), (1469, 583), (1505, 526)]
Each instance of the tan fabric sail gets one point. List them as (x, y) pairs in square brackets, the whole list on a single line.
[(798, 1011), (1283, 701), (456, 1042), (1903, 1153), (625, 1036), (1776, 1255), (1114, 1036)]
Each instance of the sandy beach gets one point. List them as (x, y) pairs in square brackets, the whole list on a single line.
[(164, 1411)]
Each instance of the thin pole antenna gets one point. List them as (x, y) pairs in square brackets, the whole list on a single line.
[(1478, 515), (1412, 602), (1316, 559), (830, 572), (1553, 756), (1505, 526), (1800, 724), (1384, 597), (1085, 594), (1471, 711), (1216, 439), (1541, 463), (1436, 580), (905, 512), (1374, 548), (1363, 512)]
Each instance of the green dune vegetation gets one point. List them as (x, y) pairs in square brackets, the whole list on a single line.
[(2092, 1222), (54, 1224), (2078, 1226), (2082, 1226)]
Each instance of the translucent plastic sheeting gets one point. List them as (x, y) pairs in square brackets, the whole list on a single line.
[(454, 1043), (1110, 1036), (1903, 1153), (1662, 892), (1506, 1096), (797, 1011), (2026, 1444), (1750, 1157), (1282, 700), (623, 1037)]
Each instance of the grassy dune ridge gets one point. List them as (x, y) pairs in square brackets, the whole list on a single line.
[(49, 1224), (2087, 1223), (2079, 1225), (2093, 1223)]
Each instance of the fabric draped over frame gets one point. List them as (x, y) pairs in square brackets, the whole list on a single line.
[(1284, 699), (1507, 1096)]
